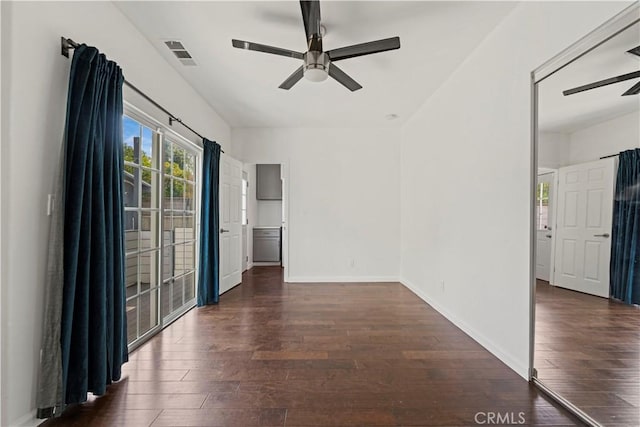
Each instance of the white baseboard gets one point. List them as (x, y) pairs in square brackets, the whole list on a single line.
[(342, 279), (27, 420), (505, 357), (249, 266), (264, 264)]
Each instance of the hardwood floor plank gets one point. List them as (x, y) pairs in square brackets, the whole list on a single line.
[(290, 355), (220, 417), (340, 417)]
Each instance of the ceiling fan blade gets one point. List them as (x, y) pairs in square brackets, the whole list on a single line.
[(634, 51), (601, 83), (311, 18), (364, 49), (241, 44), (343, 78), (634, 90), (292, 79)]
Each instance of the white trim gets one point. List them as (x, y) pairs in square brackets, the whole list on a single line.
[(285, 237), (489, 345), (27, 420), (265, 264), (249, 266), (150, 121), (623, 20), (554, 221), (342, 279)]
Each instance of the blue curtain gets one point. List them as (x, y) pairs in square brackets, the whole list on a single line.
[(208, 275), (92, 323), (625, 244)]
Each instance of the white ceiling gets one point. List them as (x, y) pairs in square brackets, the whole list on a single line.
[(242, 86), (567, 114)]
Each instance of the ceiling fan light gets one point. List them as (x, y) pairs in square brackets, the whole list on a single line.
[(316, 66), (316, 74)]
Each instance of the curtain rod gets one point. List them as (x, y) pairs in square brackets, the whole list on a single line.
[(609, 156), (67, 44)]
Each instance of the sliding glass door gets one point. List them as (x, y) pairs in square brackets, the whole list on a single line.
[(161, 207), (179, 210)]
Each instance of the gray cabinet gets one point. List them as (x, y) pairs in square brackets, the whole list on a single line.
[(268, 183), (266, 244)]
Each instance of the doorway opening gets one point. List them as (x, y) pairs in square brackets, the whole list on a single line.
[(266, 242)]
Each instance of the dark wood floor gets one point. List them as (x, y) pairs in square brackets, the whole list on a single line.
[(278, 354), (588, 350)]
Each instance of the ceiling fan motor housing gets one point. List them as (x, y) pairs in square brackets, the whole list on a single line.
[(316, 66)]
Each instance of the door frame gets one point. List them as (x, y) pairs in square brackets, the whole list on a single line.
[(165, 132), (245, 227), (286, 201), (286, 223), (609, 29), (553, 220)]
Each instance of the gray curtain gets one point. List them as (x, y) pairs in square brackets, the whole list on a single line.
[(49, 395), (85, 342)]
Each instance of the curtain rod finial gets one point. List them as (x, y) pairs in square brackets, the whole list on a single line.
[(66, 45)]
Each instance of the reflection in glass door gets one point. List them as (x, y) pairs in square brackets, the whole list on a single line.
[(142, 207), (179, 232)]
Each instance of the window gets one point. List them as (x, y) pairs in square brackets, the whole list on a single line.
[(542, 205), (179, 231), (160, 187), (142, 242), (245, 185)]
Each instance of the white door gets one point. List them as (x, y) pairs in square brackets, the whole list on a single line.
[(544, 221), (583, 243), (230, 223)]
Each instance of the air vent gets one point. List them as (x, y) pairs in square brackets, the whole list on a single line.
[(180, 52), (174, 45), (188, 62)]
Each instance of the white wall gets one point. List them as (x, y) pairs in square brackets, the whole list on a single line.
[(452, 168), (553, 150), (34, 84), (270, 213), (610, 137), (344, 200), (590, 143), (3, 128)]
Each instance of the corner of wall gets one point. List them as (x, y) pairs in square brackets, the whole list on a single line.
[(472, 332), (5, 25)]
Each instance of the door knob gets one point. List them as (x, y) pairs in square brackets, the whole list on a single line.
[(548, 235), (222, 230), (605, 235)]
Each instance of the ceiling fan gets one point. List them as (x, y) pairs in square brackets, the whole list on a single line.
[(318, 64), (633, 90)]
